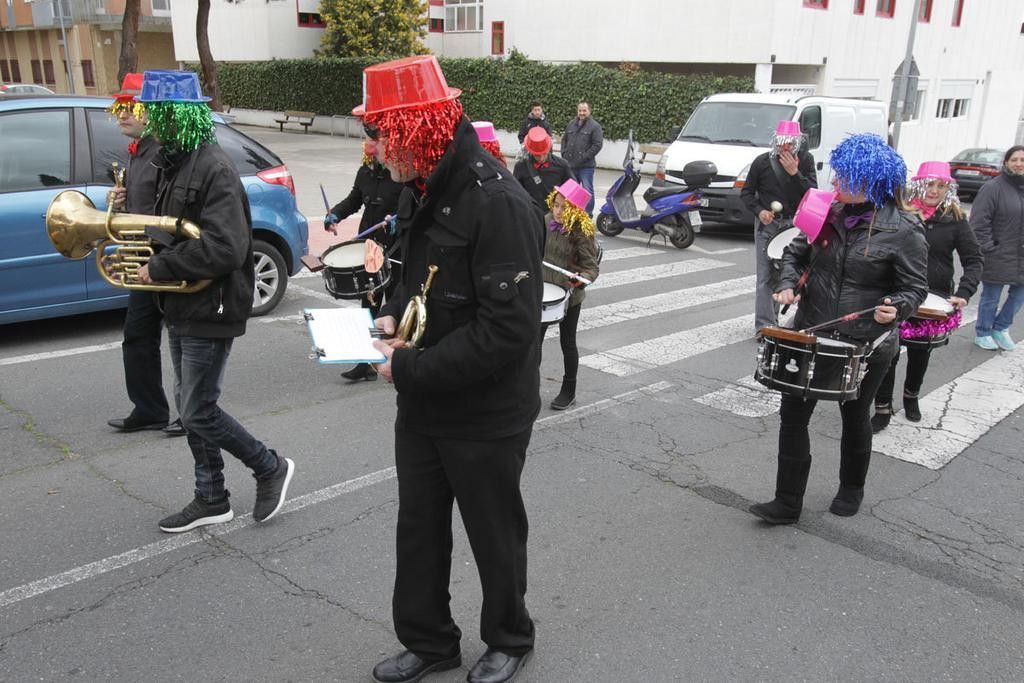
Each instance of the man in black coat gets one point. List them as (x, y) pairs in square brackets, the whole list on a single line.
[(143, 323), (535, 118), (377, 194), (582, 140), (541, 171), (200, 184), (780, 175), (468, 396)]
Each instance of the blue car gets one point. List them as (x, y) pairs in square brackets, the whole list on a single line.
[(56, 143)]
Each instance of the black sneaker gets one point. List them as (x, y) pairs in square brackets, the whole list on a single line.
[(271, 490), (195, 514)]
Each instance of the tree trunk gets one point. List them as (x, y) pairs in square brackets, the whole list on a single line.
[(209, 66), (128, 62)]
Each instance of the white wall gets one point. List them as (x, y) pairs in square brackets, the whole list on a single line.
[(253, 30)]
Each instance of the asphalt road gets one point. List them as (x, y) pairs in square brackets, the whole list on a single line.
[(644, 564)]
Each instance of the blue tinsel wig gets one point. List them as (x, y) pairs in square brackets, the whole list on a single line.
[(865, 163)]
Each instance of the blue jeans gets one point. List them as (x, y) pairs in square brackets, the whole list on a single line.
[(988, 318), (585, 176), (199, 365)]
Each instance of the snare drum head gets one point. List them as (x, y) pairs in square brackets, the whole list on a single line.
[(780, 242), (935, 302), (835, 343), (345, 255), (553, 293)]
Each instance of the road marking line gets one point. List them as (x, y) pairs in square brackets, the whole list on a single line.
[(631, 252), (598, 406), (714, 252), (637, 236), (654, 353), (47, 355), (655, 272)]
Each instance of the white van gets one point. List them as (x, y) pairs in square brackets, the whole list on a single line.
[(731, 129)]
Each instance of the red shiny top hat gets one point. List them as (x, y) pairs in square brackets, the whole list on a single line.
[(537, 141), (402, 83), (131, 86)]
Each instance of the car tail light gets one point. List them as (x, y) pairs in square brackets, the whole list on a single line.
[(659, 173), (741, 178), (278, 175), (990, 172)]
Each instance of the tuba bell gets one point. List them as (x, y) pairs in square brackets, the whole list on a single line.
[(414, 320), (76, 227)]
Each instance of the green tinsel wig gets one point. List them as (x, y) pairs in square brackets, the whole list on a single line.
[(180, 126)]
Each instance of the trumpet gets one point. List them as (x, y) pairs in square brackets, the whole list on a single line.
[(76, 227), (414, 320)]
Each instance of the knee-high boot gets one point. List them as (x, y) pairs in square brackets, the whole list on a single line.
[(790, 484), (853, 471)]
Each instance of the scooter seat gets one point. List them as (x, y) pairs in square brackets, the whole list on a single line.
[(653, 193)]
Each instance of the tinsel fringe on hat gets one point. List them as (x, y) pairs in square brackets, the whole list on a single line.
[(494, 148), (180, 126), (796, 143), (917, 189), (136, 109), (574, 219), (424, 131), (865, 163)]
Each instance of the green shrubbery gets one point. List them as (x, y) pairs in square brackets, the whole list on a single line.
[(495, 90)]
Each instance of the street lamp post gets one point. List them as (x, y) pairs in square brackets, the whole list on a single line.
[(59, 6)]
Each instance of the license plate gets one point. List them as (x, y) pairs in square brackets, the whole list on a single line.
[(972, 173), (695, 220), (704, 201)]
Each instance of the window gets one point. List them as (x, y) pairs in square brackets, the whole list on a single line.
[(885, 8), (816, 4), (87, 75), (37, 72), (463, 15), (108, 145), (48, 72), (5, 74), (436, 25), (960, 107), (15, 71), (924, 12), (943, 108), (915, 113), (958, 11), (810, 125), (161, 5), (37, 150), (858, 6), (311, 20), (497, 37)]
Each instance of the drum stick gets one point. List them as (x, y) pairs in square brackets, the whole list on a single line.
[(799, 285), (567, 273), (842, 319), (382, 224)]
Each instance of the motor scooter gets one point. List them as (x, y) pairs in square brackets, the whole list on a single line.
[(672, 212)]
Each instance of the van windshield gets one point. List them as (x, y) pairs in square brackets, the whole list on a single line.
[(737, 123)]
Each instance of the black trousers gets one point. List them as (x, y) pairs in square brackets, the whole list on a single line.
[(917, 366), (143, 376), (855, 443), (567, 340), (483, 477)]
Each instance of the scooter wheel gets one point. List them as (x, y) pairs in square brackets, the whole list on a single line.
[(683, 236), (607, 224)]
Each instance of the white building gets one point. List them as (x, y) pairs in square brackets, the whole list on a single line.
[(969, 53)]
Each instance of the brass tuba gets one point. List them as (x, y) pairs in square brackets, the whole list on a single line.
[(76, 227), (414, 320)]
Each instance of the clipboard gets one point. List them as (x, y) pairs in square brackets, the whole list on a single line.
[(342, 335)]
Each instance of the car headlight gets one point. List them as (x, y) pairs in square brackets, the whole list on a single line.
[(741, 177)]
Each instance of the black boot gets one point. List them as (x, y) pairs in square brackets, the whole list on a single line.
[(847, 501), (910, 407), (790, 484), (360, 372), (880, 420), (567, 396)]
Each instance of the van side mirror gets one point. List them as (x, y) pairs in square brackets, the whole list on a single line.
[(673, 133)]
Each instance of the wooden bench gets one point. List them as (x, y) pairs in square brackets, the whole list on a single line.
[(302, 118)]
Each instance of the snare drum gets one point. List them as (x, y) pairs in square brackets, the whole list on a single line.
[(810, 367), (934, 309), (555, 303), (345, 273)]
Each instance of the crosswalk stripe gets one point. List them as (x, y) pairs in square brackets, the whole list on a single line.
[(653, 353), (655, 272), (632, 252)]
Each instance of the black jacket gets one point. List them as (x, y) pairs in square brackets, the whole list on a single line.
[(477, 375), (530, 122), (763, 187), (141, 178), (377, 192), (997, 216), (539, 182), (945, 234), (581, 142), (845, 279), (203, 187)]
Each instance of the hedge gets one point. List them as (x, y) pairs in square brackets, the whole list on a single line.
[(500, 91)]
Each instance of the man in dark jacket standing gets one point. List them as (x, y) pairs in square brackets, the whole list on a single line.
[(468, 391), (534, 119), (780, 175), (200, 184), (541, 172), (377, 194), (582, 140), (143, 323)]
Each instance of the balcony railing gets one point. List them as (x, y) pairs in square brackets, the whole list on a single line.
[(53, 12)]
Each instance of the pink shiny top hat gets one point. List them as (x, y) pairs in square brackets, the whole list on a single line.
[(788, 129), (934, 169), (485, 131), (574, 193), (812, 213)]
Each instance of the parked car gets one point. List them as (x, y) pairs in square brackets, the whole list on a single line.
[(55, 143), (974, 167), (24, 89)]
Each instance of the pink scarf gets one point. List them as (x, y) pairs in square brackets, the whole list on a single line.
[(926, 211)]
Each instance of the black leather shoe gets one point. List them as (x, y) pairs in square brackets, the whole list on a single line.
[(362, 371), (496, 667), (135, 424), (406, 667), (175, 428)]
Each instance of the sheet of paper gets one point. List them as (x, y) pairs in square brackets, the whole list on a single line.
[(342, 335)]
